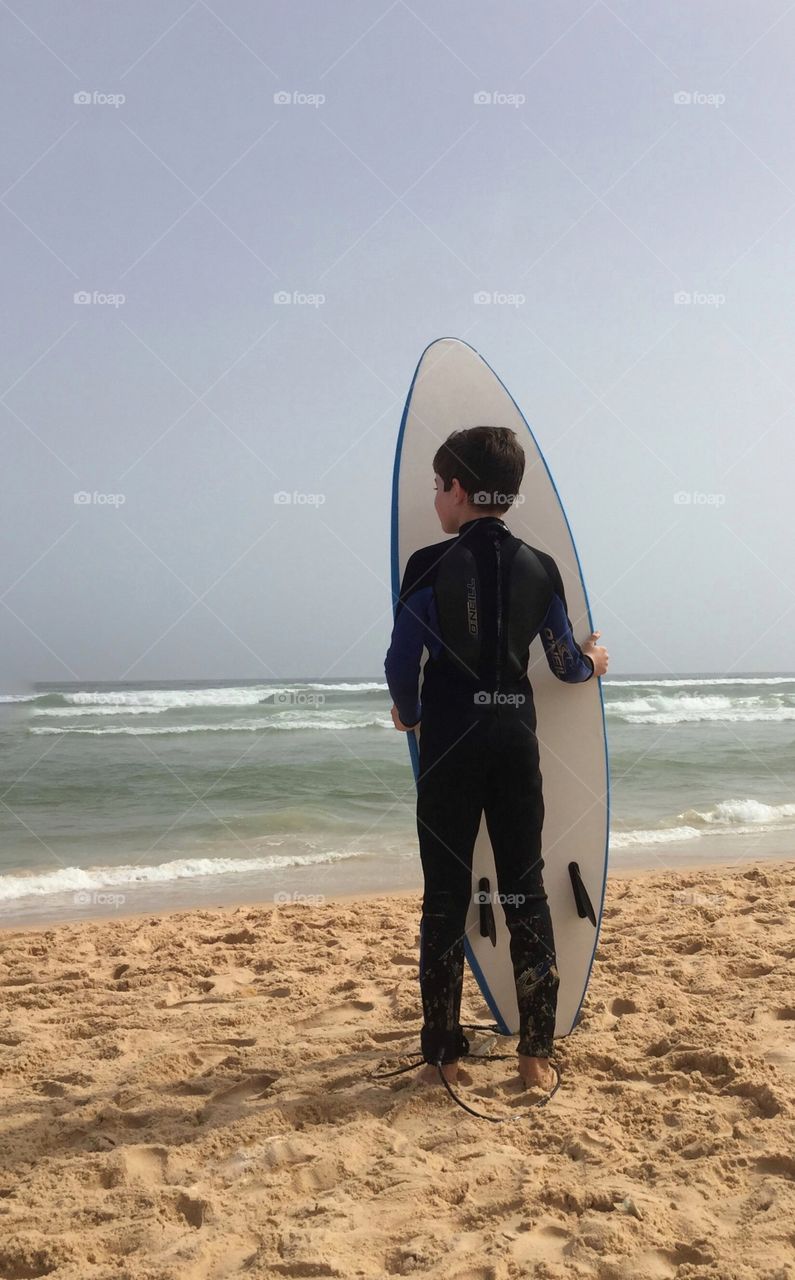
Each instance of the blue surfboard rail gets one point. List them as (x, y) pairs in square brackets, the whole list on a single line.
[(412, 739)]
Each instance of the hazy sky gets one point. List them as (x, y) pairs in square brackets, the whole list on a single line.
[(383, 195)]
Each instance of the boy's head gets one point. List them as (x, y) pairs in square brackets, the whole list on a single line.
[(477, 472)]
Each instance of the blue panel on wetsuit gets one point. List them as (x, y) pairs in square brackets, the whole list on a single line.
[(414, 630)]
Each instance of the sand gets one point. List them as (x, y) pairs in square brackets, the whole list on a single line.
[(185, 1097)]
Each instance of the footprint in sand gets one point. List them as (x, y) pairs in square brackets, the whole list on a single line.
[(760, 1094), (757, 969), (348, 1012), (689, 948), (339, 1015), (146, 1164), (235, 1042), (546, 1239), (252, 1089), (603, 1066), (781, 1165), (50, 1088), (191, 1209), (208, 1054), (281, 1151), (321, 1175), (588, 1147), (212, 1052), (221, 987), (686, 1253), (715, 1067), (776, 1042), (386, 1037), (274, 1153)]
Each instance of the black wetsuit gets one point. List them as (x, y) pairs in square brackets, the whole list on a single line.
[(476, 602)]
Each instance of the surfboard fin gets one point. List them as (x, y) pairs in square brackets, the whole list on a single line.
[(488, 925), (583, 902)]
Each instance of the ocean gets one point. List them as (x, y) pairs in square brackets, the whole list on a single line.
[(130, 797)]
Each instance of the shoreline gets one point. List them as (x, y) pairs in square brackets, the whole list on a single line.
[(10, 927)]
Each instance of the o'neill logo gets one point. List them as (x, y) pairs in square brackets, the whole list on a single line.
[(557, 651), (472, 607)]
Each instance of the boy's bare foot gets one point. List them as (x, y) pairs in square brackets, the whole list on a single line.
[(430, 1073), (536, 1072)]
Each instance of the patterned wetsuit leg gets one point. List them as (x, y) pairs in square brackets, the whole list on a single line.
[(469, 765), (514, 808), (449, 811)]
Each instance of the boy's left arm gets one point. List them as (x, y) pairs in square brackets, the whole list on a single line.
[(565, 657), (402, 664)]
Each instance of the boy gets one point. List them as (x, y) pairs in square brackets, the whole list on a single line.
[(476, 602)]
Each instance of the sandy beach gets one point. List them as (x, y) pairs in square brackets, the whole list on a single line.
[(186, 1096)]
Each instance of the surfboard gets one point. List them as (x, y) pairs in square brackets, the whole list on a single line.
[(453, 388)]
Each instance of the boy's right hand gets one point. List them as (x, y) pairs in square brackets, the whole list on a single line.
[(596, 652)]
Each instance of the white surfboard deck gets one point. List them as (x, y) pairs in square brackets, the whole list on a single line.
[(454, 388)]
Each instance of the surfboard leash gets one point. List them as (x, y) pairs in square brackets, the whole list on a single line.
[(480, 1115), (469, 1057)]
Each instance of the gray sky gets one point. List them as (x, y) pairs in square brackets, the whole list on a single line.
[(583, 191)]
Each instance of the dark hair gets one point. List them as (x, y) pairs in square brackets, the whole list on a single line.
[(488, 463)]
